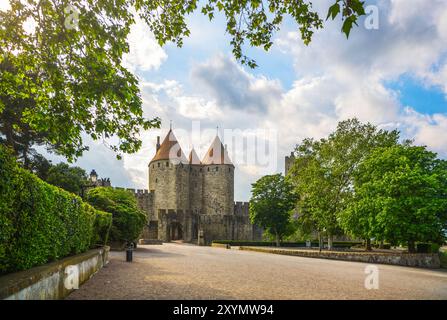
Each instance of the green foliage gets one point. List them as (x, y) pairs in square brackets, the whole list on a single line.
[(40, 222), (40, 166), (427, 248), (103, 223), (443, 259), (248, 21), (66, 77), (271, 204), (68, 178), (401, 196), (351, 10), (128, 220), (324, 170), (59, 81)]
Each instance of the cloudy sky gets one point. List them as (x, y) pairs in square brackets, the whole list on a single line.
[(395, 77)]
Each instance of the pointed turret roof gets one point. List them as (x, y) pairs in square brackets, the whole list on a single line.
[(170, 149), (193, 157), (216, 154)]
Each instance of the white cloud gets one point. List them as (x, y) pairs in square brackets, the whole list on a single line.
[(335, 79), (345, 78), (222, 79), (428, 130), (4, 5), (144, 52)]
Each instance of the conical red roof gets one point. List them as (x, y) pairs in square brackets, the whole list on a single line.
[(216, 154), (170, 149)]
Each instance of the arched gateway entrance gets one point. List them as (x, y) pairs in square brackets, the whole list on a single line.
[(175, 231)]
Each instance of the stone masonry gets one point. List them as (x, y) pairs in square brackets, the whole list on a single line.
[(188, 197)]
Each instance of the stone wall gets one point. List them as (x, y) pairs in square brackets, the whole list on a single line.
[(196, 188), (218, 189), (241, 208), (162, 181), (420, 260), (228, 227), (233, 226), (50, 281), (184, 198)]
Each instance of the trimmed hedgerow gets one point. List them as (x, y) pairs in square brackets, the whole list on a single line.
[(40, 222)]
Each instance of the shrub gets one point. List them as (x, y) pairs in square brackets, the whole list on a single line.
[(443, 259), (128, 219), (103, 223), (40, 222), (427, 248)]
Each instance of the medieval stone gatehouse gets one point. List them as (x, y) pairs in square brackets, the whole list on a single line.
[(188, 197)]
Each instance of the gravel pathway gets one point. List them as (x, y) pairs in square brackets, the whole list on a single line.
[(182, 271)]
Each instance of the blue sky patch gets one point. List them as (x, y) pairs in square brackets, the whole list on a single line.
[(422, 98)]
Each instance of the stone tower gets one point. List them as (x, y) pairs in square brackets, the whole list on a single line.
[(195, 191), (188, 197), (218, 180), (169, 183)]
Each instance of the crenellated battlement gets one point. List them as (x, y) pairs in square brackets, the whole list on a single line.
[(241, 208), (136, 191)]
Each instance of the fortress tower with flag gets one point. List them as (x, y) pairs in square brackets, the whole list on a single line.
[(191, 200)]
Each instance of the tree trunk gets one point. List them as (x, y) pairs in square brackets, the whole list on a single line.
[(381, 244), (278, 241), (320, 246), (368, 244), (411, 246), (330, 240), (9, 137)]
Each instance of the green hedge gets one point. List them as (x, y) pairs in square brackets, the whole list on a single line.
[(128, 219), (298, 244), (40, 222), (443, 259), (427, 247)]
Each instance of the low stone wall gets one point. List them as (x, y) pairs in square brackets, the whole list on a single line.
[(54, 280), (401, 259), (220, 245), (150, 241)]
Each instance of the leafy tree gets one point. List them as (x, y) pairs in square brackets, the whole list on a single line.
[(72, 179), (324, 170), (65, 77), (128, 220), (40, 166), (271, 204), (401, 196)]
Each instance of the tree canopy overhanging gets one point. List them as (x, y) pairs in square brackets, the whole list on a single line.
[(61, 71)]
